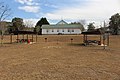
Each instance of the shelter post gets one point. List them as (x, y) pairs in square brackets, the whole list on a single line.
[(32, 37), (86, 39), (108, 40), (11, 38), (23, 36), (36, 37), (83, 38), (100, 39), (17, 38), (27, 36)]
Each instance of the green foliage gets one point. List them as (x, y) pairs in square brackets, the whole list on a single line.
[(37, 29), (4, 27), (17, 24), (91, 27), (42, 21), (79, 23), (114, 23)]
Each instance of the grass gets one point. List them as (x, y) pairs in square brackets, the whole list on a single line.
[(59, 59)]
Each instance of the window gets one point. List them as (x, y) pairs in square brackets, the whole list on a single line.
[(63, 30), (47, 30), (72, 30), (52, 30), (68, 30), (58, 30)]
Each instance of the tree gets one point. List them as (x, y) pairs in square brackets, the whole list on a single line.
[(114, 23), (18, 24), (5, 12), (79, 23), (83, 22), (91, 27), (28, 23), (5, 27), (42, 21)]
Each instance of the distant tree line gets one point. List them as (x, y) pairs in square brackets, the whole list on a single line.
[(17, 24)]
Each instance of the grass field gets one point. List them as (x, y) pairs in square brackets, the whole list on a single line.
[(59, 59)]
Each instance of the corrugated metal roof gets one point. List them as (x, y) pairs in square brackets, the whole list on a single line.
[(62, 22), (65, 26)]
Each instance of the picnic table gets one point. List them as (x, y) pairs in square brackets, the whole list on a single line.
[(92, 41)]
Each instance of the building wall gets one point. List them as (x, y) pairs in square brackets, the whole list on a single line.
[(119, 31), (61, 31)]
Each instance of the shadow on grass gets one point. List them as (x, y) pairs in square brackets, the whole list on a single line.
[(13, 43), (82, 45), (76, 44)]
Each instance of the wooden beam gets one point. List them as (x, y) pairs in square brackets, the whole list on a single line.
[(11, 38), (17, 38), (27, 36), (84, 38), (23, 36), (108, 40), (100, 39), (36, 37), (32, 37)]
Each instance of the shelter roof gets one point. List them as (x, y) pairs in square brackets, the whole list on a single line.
[(61, 22), (97, 31), (23, 32), (93, 32), (65, 26)]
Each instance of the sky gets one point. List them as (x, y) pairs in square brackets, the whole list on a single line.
[(95, 11)]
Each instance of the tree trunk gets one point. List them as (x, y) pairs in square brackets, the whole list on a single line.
[(2, 39)]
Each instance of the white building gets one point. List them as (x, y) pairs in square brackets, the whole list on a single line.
[(62, 28)]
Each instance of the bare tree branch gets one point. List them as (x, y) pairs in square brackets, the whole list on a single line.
[(5, 12)]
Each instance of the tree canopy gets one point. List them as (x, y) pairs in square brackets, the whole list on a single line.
[(91, 27), (18, 24), (114, 23), (42, 21)]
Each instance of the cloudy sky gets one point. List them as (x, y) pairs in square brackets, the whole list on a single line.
[(69, 10)]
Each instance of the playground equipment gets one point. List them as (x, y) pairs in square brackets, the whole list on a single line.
[(103, 39), (23, 33)]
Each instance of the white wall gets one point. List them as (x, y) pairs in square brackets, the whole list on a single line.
[(56, 31)]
